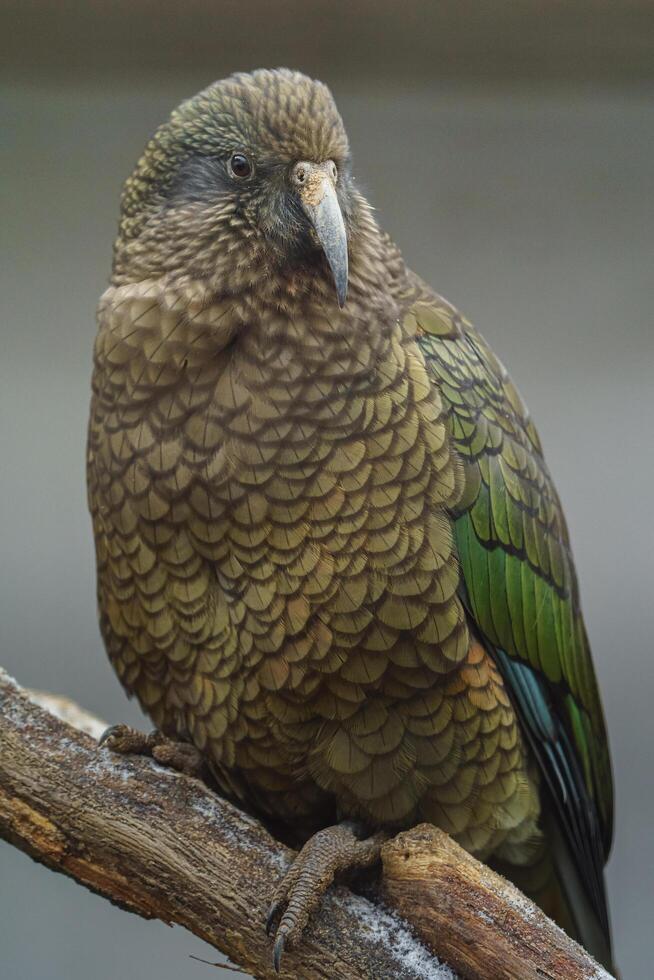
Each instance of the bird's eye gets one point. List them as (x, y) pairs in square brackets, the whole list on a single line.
[(240, 165)]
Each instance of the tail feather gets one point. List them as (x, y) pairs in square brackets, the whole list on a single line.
[(584, 924), (574, 894), (553, 882)]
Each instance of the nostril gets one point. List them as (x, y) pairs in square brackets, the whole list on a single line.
[(301, 172)]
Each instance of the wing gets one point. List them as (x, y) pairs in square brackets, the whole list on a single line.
[(519, 578)]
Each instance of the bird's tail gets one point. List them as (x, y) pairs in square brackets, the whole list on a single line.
[(554, 884)]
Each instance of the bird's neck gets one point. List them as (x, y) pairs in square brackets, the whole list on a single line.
[(301, 328), (274, 337)]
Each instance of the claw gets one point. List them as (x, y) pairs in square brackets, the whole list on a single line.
[(273, 912), (108, 734), (278, 950)]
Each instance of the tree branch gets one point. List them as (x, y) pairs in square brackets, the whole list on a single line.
[(164, 846), (477, 920)]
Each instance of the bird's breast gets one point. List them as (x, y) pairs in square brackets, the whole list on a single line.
[(288, 568)]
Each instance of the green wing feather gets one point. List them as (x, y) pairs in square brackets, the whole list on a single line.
[(519, 577)]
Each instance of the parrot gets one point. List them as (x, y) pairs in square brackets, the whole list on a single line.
[(332, 565)]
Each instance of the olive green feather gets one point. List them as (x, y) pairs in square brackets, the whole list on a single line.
[(514, 549)]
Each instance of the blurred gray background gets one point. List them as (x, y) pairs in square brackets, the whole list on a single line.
[(509, 149)]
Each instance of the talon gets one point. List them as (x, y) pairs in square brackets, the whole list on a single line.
[(125, 740), (273, 912), (278, 950), (111, 732)]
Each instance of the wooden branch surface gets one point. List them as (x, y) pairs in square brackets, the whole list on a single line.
[(478, 921), (164, 846)]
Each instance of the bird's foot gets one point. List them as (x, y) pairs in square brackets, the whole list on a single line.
[(330, 851), (180, 756)]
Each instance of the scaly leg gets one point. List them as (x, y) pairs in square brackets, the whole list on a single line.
[(330, 851), (180, 756)]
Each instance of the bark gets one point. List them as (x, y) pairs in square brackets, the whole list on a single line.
[(164, 846), (478, 921)]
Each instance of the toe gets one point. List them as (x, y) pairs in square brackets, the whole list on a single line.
[(124, 739), (327, 853), (111, 735), (177, 755)]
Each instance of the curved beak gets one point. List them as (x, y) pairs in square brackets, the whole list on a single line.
[(317, 193)]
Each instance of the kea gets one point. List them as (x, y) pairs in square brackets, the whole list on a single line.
[(331, 561)]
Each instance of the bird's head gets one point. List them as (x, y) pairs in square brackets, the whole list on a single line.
[(249, 178)]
